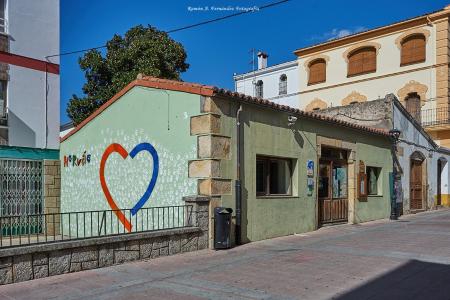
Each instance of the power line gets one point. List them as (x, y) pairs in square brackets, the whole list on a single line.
[(185, 27)]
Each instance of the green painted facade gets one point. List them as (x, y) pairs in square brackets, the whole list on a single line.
[(162, 118), (266, 132), (142, 115)]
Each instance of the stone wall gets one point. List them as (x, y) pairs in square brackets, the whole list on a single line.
[(377, 113), (52, 195), (213, 149), (43, 260)]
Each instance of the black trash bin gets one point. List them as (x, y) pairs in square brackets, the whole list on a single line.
[(222, 227)]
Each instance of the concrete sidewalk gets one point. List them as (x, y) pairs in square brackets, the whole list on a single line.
[(405, 259)]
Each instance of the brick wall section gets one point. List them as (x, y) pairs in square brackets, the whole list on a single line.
[(38, 261), (52, 195)]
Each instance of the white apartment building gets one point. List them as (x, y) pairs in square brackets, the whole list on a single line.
[(278, 83), (29, 112), (29, 81)]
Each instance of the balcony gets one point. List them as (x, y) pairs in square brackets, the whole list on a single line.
[(433, 117)]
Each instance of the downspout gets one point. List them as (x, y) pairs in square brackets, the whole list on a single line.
[(238, 178)]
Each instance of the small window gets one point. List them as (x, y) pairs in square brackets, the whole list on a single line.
[(317, 71), (413, 106), (3, 84), (413, 50), (273, 176), (362, 61), (259, 89), (283, 85), (362, 181), (373, 181), (2, 16)]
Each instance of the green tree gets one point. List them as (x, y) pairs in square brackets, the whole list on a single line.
[(143, 50)]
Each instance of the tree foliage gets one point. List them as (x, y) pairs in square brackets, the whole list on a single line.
[(142, 49)]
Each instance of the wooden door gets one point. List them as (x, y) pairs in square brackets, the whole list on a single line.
[(415, 185), (333, 200)]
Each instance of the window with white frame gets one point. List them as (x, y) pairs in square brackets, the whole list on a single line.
[(259, 89), (273, 176), (283, 85)]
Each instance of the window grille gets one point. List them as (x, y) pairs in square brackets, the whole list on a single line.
[(283, 85), (21, 195), (259, 89)]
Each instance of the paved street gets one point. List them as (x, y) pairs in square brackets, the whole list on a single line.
[(407, 259)]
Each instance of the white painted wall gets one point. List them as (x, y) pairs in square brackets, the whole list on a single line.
[(388, 62), (33, 28), (270, 77), (421, 144)]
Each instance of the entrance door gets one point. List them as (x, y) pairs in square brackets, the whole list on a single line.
[(333, 200), (416, 185)]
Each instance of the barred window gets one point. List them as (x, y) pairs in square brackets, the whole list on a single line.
[(317, 71), (283, 85), (2, 16), (413, 50), (259, 89), (362, 61)]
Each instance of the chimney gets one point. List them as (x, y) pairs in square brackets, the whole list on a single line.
[(262, 60)]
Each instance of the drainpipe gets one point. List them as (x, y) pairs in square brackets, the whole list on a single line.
[(238, 177)]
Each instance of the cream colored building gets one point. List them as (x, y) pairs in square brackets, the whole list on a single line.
[(409, 58)]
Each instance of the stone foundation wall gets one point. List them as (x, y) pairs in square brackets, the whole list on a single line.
[(43, 260)]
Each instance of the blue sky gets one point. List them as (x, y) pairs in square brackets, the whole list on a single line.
[(215, 51)]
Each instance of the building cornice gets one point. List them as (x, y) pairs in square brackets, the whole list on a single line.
[(373, 78), (374, 33), (270, 69)]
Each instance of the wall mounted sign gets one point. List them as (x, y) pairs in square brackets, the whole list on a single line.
[(310, 168), (74, 161), (120, 150)]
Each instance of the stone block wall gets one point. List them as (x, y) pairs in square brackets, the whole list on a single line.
[(43, 260), (52, 195), (213, 148)]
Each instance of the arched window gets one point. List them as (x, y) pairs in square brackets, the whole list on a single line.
[(413, 50), (412, 103), (361, 61), (283, 85), (317, 71), (259, 89)]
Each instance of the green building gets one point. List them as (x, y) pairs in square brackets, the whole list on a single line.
[(297, 171)]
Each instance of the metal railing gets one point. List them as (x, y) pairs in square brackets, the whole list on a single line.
[(56, 227), (435, 116)]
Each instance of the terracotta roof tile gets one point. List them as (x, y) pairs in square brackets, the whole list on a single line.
[(207, 90)]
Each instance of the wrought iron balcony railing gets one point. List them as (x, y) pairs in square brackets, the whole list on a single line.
[(435, 116)]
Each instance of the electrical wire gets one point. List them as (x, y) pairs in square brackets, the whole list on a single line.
[(184, 27)]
